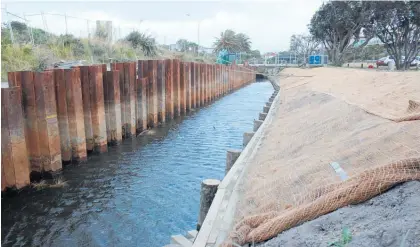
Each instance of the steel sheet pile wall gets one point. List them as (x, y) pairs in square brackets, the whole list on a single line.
[(59, 116)]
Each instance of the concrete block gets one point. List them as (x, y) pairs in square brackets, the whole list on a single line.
[(262, 116), (266, 109), (257, 124), (231, 157), (247, 138)]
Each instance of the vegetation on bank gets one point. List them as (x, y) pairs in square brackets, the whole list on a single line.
[(43, 49)]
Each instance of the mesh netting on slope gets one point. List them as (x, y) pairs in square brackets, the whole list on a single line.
[(329, 146)]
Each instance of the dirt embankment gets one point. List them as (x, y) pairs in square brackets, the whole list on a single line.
[(338, 137)]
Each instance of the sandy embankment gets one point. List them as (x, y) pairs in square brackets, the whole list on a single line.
[(354, 118)]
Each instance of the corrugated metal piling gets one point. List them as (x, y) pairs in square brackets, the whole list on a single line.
[(59, 116)]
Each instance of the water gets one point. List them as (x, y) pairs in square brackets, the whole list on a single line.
[(141, 192)]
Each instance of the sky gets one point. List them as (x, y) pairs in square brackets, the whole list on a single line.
[(269, 24)]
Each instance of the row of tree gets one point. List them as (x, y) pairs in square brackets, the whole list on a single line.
[(339, 26)]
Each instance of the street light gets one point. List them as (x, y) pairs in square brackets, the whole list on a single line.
[(198, 33)]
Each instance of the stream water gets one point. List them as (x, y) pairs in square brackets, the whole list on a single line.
[(142, 191)]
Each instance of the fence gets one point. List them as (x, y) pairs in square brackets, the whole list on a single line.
[(58, 116), (53, 37)]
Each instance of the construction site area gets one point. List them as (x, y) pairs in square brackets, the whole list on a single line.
[(188, 124)]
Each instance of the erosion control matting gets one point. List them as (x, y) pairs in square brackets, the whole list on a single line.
[(340, 137)]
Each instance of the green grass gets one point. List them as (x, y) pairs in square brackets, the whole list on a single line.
[(345, 239)]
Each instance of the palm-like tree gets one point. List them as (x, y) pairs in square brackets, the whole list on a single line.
[(227, 40), (244, 42), (232, 42)]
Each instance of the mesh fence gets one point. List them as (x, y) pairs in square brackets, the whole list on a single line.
[(339, 137), (41, 40)]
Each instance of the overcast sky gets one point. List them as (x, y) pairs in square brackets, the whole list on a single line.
[(269, 24)]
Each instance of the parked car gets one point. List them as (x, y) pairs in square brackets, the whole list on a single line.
[(385, 60)]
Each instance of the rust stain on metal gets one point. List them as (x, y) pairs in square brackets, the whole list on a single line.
[(169, 89), (49, 136), (14, 156), (113, 107), (75, 115), (63, 125), (97, 109), (161, 88)]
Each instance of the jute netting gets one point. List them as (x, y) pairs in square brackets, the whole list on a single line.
[(338, 137)]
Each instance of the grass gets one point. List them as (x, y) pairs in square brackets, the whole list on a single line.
[(39, 57), (345, 239)]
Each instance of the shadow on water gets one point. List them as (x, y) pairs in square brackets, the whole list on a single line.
[(140, 192)]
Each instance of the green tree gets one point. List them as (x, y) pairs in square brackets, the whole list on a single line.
[(397, 25), (339, 25), (232, 42), (145, 42), (227, 40), (255, 54), (243, 42), (303, 45)]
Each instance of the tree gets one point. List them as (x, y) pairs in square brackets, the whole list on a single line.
[(255, 54), (185, 45), (143, 41), (232, 42), (182, 44), (303, 45), (397, 25), (244, 42), (226, 41), (339, 25)]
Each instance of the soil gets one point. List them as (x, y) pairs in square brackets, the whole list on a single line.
[(385, 220)]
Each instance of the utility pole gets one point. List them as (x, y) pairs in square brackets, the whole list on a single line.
[(88, 32), (65, 19), (198, 37)]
